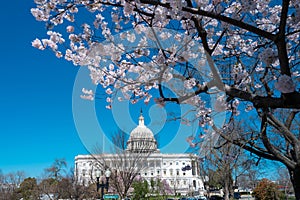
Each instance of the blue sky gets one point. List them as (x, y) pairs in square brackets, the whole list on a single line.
[(36, 97), (37, 124)]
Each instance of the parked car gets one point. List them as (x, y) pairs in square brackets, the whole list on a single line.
[(187, 198), (216, 197), (201, 198), (236, 195)]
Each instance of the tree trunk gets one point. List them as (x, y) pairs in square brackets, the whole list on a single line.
[(295, 179), (226, 193), (226, 189)]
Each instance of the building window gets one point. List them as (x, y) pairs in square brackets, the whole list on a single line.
[(171, 172), (165, 163), (157, 171), (177, 172), (184, 182), (171, 163), (183, 163), (158, 163), (145, 164), (165, 172), (176, 163), (193, 168), (145, 173), (151, 164), (183, 173), (151, 173)]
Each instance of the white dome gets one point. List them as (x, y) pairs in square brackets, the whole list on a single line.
[(141, 131), (141, 138)]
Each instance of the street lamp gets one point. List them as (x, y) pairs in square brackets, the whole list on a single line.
[(102, 185)]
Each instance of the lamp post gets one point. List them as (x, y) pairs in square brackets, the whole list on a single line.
[(102, 185)]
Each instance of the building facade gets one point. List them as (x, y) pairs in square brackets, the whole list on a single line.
[(180, 171)]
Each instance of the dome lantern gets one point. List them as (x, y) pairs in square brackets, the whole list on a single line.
[(141, 119)]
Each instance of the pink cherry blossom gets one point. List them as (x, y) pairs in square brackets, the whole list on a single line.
[(87, 97), (70, 29), (38, 44)]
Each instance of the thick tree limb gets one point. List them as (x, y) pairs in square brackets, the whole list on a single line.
[(280, 40), (291, 100)]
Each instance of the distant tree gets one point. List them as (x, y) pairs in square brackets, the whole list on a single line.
[(248, 179), (16, 177), (167, 190), (266, 190), (57, 170), (141, 190), (214, 179), (159, 188), (80, 191), (65, 185), (65, 189), (53, 175), (284, 181), (223, 163), (9, 183), (48, 186), (126, 165), (28, 189)]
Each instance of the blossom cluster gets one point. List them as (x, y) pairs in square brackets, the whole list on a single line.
[(87, 94), (240, 76)]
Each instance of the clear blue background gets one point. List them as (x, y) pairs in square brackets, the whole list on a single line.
[(36, 122)]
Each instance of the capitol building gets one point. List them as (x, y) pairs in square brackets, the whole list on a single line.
[(180, 171)]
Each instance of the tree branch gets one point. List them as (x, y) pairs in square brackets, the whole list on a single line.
[(291, 100), (258, 152), (280, 40), (270, 147), (222, 18), (290, 119)]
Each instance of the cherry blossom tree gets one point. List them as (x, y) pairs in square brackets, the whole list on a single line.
[(244, 52)]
